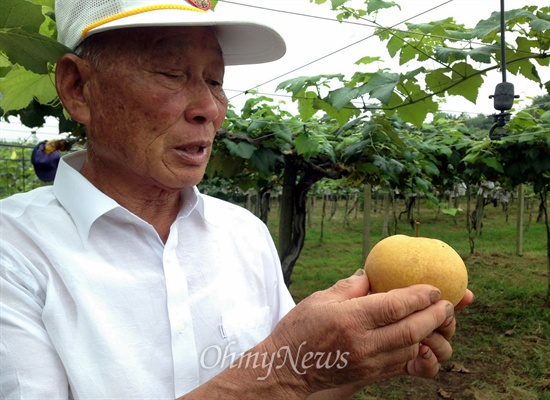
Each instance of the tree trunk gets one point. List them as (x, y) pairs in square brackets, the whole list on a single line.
[(478, 213), (293, 216), (386, 223), (310, 209), (366, 220), (298, 236), (471, 238), (519, 226), (323, 215), (346, 212), (286, 211), (544, 204), (264, 200), (334, 207)]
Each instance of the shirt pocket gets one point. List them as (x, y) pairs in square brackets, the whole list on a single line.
[(244, 327)]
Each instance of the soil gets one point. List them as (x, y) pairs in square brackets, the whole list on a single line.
[(489, 373)]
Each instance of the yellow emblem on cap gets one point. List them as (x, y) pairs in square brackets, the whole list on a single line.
[(202, 4)]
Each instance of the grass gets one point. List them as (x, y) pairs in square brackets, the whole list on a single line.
[(502, 344)]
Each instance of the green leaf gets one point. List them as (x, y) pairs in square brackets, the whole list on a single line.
[(471, 157), (30, 49), (375, 5), (341, 97), (394, 45), (528, 70), (430, 169), (298, 85), (448, 54), (408, 53), (283, 132), (437, 80), (470, 82), (337, 3), (356, 148), (367, 60), (341, 116), (482, 54), (382, 85), (492, 24), (241, 149), (450, 211), (416, 112), (21, 14), (306, 105), (305, 144), (265, 159), (493, 163), (422, 184), (20, 87), (256, 125), (539, 25)]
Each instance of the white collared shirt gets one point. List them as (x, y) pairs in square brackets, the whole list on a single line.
[(94, 305)]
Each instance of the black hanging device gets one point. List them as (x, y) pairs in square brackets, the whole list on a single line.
[(504, 91)]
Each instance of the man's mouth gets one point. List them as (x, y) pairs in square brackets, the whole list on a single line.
[(193, 154), (192, 149)]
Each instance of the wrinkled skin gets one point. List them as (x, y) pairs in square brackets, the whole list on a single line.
[(402, 332), (152, 106)]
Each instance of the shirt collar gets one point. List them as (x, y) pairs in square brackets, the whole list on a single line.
[(85, 203), (82, 200)]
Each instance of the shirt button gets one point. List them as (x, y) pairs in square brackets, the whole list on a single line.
[(181, 329)]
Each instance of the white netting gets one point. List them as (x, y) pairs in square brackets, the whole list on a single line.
[(74, 16), (243, 42)]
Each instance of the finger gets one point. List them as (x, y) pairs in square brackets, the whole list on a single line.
[(356, 285), (387, 308), (425, 364), (466, 300), (447, 329), (414, 328), (440, 346)]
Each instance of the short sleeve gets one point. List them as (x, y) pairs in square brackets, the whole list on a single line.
[(31, 367)]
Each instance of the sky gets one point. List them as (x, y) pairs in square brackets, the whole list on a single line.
[(318, 44)]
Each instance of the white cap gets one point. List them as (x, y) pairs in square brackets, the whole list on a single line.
[(242, 42)]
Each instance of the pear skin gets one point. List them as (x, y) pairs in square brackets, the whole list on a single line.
[(400, 261)]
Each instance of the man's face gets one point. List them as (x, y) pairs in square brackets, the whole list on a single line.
[(156, 102)]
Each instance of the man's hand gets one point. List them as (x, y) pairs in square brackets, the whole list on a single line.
[(404, 331), (342, 339)]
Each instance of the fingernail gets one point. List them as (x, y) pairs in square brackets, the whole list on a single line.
[(435, 296), (450, 310), (359, 272), (448, 321)]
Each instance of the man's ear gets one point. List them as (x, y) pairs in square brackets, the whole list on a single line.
[(71, 77)]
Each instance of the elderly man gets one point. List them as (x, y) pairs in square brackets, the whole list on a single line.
[(123, 281)]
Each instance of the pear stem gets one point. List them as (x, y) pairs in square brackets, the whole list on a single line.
[(417, 229)]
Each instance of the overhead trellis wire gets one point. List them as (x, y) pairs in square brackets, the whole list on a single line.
[(332, 53)]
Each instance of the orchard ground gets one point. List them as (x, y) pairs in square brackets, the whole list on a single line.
[(502, 345)]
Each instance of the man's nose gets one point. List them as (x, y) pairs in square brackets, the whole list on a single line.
[(203, 105)]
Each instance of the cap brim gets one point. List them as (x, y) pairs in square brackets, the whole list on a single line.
[(242, 42)]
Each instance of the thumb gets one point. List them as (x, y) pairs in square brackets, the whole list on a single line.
[(356, 285)]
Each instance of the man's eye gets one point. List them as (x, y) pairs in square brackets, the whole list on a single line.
[(214, 82), (171, 75)]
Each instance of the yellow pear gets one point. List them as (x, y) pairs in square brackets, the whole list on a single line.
[(399, 261)]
